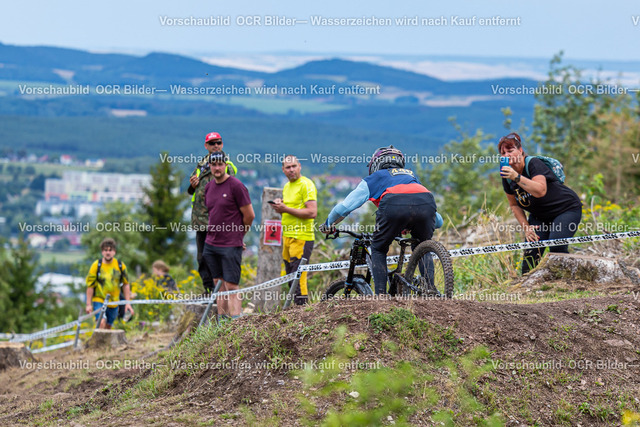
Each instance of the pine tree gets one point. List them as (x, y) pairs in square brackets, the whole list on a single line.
[(26, 308), (19, 279), (164, 209)]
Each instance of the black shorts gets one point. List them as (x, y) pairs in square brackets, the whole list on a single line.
[(224, 262)]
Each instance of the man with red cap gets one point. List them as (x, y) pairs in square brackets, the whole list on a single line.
[(198, 180)]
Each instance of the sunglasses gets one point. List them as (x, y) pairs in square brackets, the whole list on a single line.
[(215, 142), (512, 137)]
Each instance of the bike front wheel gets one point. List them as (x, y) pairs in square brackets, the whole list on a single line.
[(338, 288), (429, 271)]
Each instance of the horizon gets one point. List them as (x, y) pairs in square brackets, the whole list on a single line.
[(453, 67)]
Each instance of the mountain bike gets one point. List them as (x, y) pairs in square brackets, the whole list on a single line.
[(429, 272)]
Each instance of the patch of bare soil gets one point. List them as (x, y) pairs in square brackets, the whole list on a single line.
[(558, 363), (64, 381)]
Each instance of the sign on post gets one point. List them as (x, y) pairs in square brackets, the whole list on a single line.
[(269, 254), (272, 232)]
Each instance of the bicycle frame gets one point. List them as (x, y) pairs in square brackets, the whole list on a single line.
[(420, 277), (361, 251), (396, 274), (360, 254)]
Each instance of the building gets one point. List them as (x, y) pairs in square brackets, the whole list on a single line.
[(96, 187)]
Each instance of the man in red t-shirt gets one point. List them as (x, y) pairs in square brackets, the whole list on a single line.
[(230, 217)]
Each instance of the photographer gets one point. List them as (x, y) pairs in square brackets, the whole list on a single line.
[(554, 209)]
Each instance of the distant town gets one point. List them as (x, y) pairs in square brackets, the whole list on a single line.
[(70, 202)]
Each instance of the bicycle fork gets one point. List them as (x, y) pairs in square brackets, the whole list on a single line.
[(358, 251)]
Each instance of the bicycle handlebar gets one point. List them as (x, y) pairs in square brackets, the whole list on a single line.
[(336, 233)]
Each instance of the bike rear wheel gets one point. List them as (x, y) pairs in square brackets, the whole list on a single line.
[(338, 288), (429, 271)]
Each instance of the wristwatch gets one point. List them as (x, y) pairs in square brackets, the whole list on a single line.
[(517, 180)]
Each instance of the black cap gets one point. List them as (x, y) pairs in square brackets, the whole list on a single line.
[(218, 156)]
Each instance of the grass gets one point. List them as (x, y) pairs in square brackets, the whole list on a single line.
[(426, 374), (47, 169), (397, 393), (415, 333), (282, 106), (558, 343), (46, 405), (266, 104), (47, 257)]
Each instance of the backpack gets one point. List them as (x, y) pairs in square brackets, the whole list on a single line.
[(553, 164), (120, 307)]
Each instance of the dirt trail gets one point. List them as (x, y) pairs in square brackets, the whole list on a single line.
[(568, 362)]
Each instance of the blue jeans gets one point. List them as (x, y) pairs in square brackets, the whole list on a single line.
[(111, 313), (561, 227)]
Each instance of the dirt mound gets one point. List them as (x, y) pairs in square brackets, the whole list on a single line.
[(549, 363)]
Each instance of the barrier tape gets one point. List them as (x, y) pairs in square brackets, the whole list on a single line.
[(541, 244), (454, 253), (339, 265), (47, 332)]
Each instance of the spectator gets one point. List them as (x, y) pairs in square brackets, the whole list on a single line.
[(555, 210), (199, 179), (104, 278), (298, 207), (230, 217), (164, 281)]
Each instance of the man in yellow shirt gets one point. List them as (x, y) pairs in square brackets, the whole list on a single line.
[(104, 279), (298, 207)]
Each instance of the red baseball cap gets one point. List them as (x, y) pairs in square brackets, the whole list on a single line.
[(211, 136)]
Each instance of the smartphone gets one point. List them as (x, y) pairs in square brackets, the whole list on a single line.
[(504, 161), (271, 202)]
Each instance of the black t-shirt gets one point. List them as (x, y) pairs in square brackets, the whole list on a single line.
[(559, 197)]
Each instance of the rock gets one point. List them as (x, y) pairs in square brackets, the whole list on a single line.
[(12, 353), (588, 268), (107, 338), (618, 343)]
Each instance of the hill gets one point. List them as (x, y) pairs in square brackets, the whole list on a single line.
[(347, 72), (61, 65), (461, 362), (407, 108)]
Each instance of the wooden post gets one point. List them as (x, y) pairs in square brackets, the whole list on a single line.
[(269, 257)]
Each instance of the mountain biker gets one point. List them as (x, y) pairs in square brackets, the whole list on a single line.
[(403, 204)]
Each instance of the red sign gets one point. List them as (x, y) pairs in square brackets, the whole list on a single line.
[(272, 232)]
